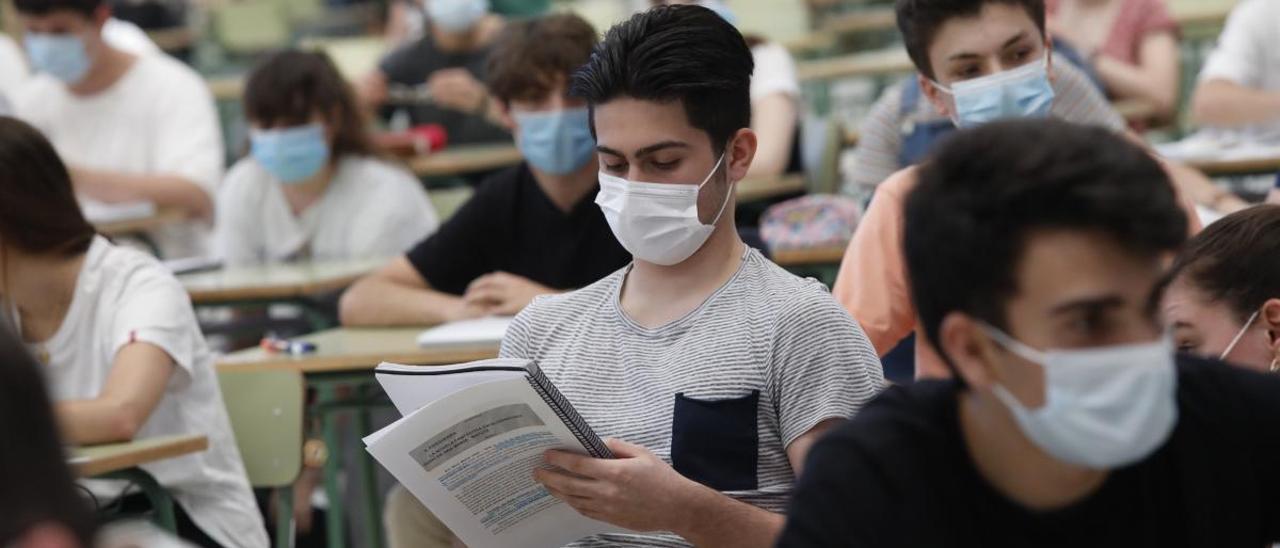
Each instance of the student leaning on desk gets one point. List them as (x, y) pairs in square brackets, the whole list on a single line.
[(42, 506), (119, 343), (529, 230)]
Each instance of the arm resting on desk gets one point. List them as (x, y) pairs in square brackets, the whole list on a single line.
[(134, 388), (397, 295), (1223, 103), (166, 191), (1154, 79), (774, 120)]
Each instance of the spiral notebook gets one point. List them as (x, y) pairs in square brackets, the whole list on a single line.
[(471, 437)]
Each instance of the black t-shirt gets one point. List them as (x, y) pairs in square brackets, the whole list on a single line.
[(899, 475), (510, 225), (412, 64)]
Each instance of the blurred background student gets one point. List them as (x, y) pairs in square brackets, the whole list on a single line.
[(1131, 45), (438, 79), (1223, 299), (312, 185)]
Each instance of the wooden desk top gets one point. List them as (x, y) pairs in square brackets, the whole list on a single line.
[(830, 255), (878, 19), (274, 282), (1222, 168), (1201, 12), (762, 188), (354, 349), (103, 459), (226, 88), (879, 63), (162, 217), (465, 159)]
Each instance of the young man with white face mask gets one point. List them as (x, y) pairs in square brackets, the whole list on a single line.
[(710, 370), (447, 68), (131, 127), (978, 61), (1035, 249)]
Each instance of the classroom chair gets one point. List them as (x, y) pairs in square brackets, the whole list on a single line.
[(266, 414)]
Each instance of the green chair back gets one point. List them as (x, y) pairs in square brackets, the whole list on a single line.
[(266, 414)]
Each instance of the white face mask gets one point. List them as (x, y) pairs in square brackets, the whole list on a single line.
[(1104, 407), (456, 15), (1024, 92), (657, 223)]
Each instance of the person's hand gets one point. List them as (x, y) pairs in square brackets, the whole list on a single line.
[(636, 491), (465, 310), (503, 294), (371, 90), (457, 89)]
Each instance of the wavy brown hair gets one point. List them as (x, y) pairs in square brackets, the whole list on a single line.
[(291, 87)]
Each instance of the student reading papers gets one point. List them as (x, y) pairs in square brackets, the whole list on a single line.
[(1035, 249), (312, 186), (132, 128), (979, 60), (712, 369), (530, 230), (1239, 85), (123, 354)]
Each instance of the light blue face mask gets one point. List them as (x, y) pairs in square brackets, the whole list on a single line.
[(1023, 92), (63, 56), (557, 142), (291, 155), (456, 15)]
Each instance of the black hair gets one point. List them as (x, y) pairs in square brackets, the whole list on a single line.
[(532, 56), (988, 189), (919, 21), (38, 486), (292, 86), (682, 53), (45, 7), (39, 213), (1236, 260)]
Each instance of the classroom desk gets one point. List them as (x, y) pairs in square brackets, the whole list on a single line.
[(463, 159), (888, 62), (1227, 168), (1201, 12), (123, 461), (226, 88), (809, 256), (876, 19), (129, 227), (754, 189), (346, 358), (274, 283)]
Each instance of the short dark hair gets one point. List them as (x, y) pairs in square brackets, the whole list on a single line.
[(45, 7), (1236, 260), (38, 486), (533, 55), (291, 87), (682, 53), (919, 21), (39, 213), (988, 189)]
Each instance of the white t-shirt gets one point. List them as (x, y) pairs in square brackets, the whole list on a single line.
[(372, 209), (123, 296), (775, 72), (158, 119), (13, 65), (128, 37), (1248, 53)]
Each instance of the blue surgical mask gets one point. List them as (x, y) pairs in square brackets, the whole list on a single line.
[(456, 15), (63, 56), (1023, 92), (291, 155), (557, 142)]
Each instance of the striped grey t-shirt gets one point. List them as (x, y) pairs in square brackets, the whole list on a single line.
[(719, 393)]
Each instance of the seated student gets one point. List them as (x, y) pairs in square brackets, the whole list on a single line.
[(120, 345), (131, 127), (1034, 249), (1223, 298), (450, 63), (959, 46), (1131, 44), (718, 368), (13, 66), (775, 99), (312, 185), (529, 230), (1239, 85)]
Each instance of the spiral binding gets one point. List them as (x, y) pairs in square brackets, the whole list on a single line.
[(565, 411)]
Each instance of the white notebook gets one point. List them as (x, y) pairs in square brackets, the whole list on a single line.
[(467, 332)]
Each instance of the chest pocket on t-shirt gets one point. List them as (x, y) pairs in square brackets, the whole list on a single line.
[(716, 443)]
